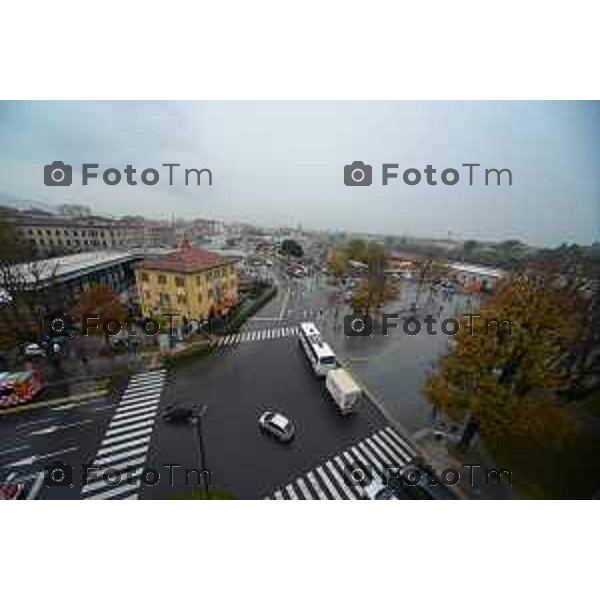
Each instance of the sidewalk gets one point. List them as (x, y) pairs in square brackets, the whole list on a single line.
[(438, 449)]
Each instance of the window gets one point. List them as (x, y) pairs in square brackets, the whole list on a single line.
[(198, 280), (147, 294), (162, 279), (199, 297), (210, 294), (179, 281), (181, 299), (144, 276)]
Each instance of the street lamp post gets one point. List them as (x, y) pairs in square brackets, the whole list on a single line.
[(196, 420)]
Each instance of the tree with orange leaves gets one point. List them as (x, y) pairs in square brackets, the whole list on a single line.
[(100, 300), (508, 382)]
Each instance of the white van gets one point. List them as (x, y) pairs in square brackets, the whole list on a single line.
[(343, 389)]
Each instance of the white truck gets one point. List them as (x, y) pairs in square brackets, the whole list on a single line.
[(343, 389)]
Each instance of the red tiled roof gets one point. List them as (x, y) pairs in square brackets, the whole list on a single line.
[(186, 260)]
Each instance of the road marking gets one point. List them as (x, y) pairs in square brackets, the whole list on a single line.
[(54, 428), (65, 406), (33, 423), (140, 411), (107, 441), (136, 419), (123, 467), (350, 492), (328, 484), (35, 488), (48, 403), (115, 491), (291, 492), (376, 451), (315, 484), (304, 489), (116, 430), (284, 304), (123, 446), (394, 434), (28, 461), (11, 450), (128, 435), (140, 403), (122, 455), (124, 476), (388, 438), (129, 401)]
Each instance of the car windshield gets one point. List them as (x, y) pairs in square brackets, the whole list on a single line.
[(328, 360), (280, 422)]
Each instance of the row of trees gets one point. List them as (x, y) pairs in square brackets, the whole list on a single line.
[(374, 290), (519, 383)]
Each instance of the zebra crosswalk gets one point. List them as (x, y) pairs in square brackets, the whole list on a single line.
[(255, 335), (330, 480), (124, 447)]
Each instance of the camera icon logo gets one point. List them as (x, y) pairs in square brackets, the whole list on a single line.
[(358, 475), (358, 174), (358, 325), (58, 174), (58, 474)]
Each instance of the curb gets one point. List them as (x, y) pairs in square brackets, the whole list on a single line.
[(44, 403), (380, 406)]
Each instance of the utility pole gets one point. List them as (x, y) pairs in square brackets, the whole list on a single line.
[(197, 415)]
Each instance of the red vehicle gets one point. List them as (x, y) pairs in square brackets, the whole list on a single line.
[(19, 387), (11, 491)]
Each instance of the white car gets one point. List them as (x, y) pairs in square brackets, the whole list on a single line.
[(34, 350), (277, 425)]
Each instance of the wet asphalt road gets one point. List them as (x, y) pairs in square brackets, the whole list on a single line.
[(237, 384)]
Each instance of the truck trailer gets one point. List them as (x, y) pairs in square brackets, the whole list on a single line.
[(343, 389)]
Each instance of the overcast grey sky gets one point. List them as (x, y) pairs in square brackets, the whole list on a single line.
[(281, 163)]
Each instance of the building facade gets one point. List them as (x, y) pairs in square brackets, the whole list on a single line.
[(189, 282)]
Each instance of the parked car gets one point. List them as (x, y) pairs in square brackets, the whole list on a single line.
[(277, 425), (33, 349)]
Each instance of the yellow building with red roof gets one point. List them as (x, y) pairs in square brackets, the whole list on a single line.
[(189, 282)]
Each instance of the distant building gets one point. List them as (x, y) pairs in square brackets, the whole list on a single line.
[(189, 282), (400, 262), (475, 277), (50, 234), (67, 277)]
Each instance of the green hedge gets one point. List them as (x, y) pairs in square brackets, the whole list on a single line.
[(190, 351), (239, 318)]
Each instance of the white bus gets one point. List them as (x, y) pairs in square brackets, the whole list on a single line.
[(320, 355)]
